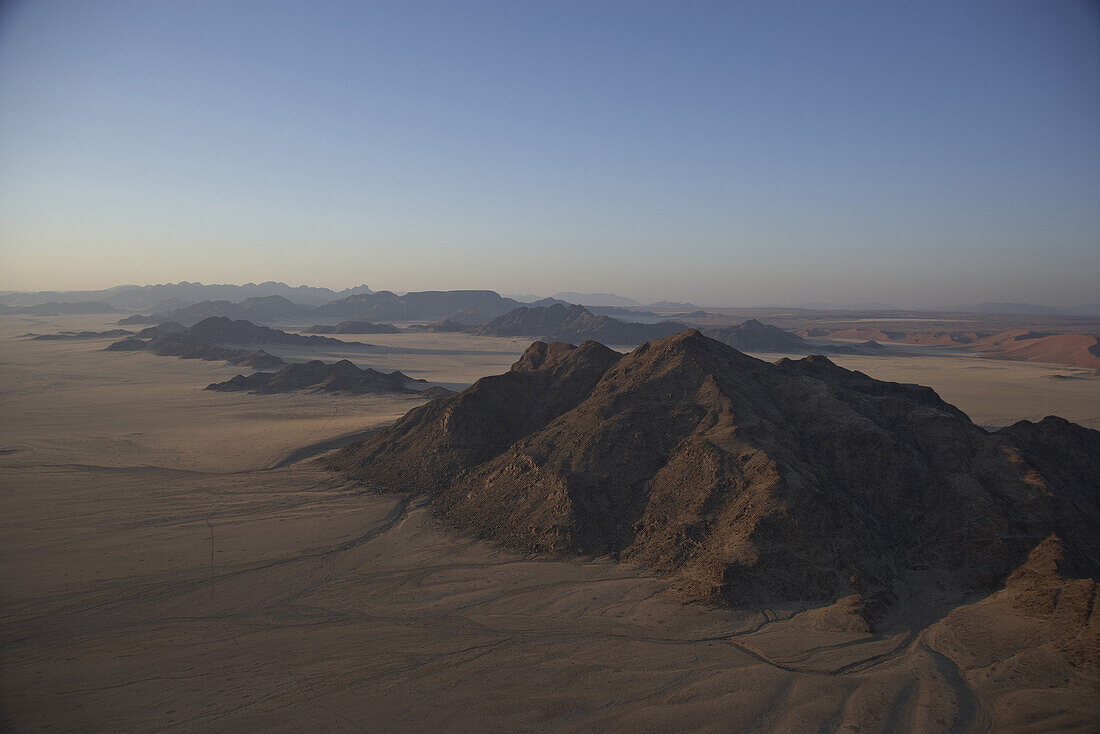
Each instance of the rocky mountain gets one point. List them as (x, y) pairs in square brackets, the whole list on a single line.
[(467, 307), (353, 327), (754, 484), (754, 336), (317, 376), (574, 324)]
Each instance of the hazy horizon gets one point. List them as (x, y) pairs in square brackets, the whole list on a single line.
[(771, 154)]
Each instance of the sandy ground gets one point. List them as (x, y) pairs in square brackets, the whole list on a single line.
[(154, 574)]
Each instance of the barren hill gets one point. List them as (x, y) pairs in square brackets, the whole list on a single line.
[(797, 483), (754, 336), (207, 340), (353, 327), (574, 324), (317, 376)]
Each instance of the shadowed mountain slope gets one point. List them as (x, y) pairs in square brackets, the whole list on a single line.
[(797, 483), (574, 324)]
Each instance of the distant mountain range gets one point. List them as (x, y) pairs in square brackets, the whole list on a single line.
[(137, 297), (465, 306)]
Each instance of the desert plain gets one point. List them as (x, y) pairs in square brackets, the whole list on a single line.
[(171, 559)]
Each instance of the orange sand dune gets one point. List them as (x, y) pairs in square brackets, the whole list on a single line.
[(1079, 350)]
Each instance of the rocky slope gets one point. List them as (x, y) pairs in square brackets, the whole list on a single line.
[(574, 324), (791, 484)]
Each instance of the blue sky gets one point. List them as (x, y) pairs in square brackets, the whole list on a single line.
[(725, 153)]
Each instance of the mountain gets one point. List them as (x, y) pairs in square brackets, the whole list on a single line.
[(467, 307), (574, 323), (134, 297), (781, 485), (260, 309), (317, 376), (753, 336), (353, 327), (595, 299)]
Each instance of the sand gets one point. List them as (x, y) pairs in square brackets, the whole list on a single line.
[(155, 573)]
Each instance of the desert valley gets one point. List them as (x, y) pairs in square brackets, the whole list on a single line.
[(487, 367), (214, 524)]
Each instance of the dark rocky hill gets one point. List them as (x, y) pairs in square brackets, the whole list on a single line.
[(797, 483), (72, 335), (574, 324), (217, 338), (317, 376), (754, 336), (353, 327)]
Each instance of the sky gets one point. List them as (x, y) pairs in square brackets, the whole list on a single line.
[(733, 153)]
